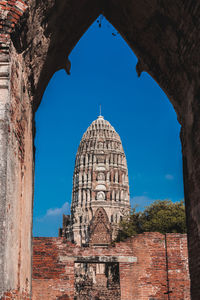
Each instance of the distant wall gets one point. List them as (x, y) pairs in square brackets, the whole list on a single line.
[(151, 266)]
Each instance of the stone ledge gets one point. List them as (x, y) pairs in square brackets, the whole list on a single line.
[(98, 259)]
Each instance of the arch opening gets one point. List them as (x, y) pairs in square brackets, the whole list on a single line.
[(152, 123), (106, 91)]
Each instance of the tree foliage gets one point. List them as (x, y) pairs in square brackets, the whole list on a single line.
[(161, 216)]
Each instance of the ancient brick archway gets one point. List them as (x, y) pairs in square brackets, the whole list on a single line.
[(35, 41)]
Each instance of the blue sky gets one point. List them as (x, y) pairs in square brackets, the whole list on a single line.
[(103, 72)]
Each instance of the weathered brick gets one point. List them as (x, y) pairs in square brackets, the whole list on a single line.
[(160, 266)]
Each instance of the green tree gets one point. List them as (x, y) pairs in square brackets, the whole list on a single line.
[(161, 216), (129, 226)]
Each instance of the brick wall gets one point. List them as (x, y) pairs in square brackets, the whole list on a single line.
[(150, 266), (10, 12), (178, 272), (52, 278)]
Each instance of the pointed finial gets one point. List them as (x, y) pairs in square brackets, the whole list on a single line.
[(100, 116)]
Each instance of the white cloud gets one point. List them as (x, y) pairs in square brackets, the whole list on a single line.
[(53, 213), (169, 177), (58, 210), (48, 224)]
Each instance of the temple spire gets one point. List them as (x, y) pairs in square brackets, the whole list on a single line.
[(99, 155)]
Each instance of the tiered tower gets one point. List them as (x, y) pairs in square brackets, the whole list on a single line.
[(100, 180)]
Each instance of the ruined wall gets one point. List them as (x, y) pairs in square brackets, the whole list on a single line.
[(16, 162), (151, 265), (52, 276), (162, 267)]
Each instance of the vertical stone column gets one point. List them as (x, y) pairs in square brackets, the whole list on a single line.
[(190, 138), (16, 177), (4, 102), (88, 197)]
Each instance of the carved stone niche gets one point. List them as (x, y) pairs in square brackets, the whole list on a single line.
[(100, 145), (101, 158), (100, 232), (101, 176), (101, 195)]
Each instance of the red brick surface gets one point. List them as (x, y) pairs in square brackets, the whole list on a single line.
[(10, 13), (178, 266), (158, 270), (15, 295), (51, 277)]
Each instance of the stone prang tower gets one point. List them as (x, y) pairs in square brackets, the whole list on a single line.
[(100, 183)]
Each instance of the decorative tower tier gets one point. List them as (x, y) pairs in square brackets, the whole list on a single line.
[(100, 180)]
